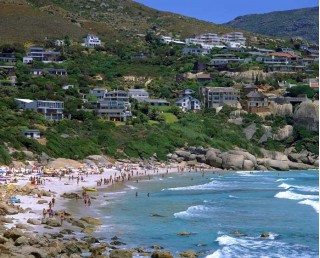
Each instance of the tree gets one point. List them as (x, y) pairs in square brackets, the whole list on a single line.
[(301, 90)]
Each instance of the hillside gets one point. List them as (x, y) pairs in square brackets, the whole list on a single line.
[(121, 19), (294, 23)]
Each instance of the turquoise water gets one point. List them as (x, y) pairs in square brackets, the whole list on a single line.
[(210, 207)]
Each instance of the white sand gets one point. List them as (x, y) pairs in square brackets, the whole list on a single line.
[(65, 185)]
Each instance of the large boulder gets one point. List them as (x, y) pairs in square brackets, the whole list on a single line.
[(274, 155), (283, 133), (281, 110), (13, 233), (159, 254), (307, 115), (53, 222), (232, 161), (277, 165), (212, 158), (299, 166), (188, 254), (245, 154), (183, 154), (34, 221), (248, 165), (250, 131), (21, 241), (121, 253), (91, 221), (6, 209), (72, 247)]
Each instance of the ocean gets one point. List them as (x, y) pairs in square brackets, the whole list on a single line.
[(211, 207)]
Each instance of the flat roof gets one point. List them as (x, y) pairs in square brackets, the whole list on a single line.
[(25, 100)]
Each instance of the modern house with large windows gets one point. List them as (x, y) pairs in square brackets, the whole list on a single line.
[(52, 110), (213, 97), (115, 105)]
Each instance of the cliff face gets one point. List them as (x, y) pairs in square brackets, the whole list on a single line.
[(307, 115)]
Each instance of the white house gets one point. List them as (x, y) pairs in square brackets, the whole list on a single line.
[(34, 134), (52, 110), (27, 60), (99, 93), (139, 94), (188, 103), (91, 41)]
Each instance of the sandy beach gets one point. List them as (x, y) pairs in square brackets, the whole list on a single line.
[(98, 180)]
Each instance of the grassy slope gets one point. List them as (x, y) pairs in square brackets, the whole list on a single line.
[(22, 23), (119, 19), (294, 23)]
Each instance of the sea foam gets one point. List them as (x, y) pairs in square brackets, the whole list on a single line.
[(294, 196), (313, 204), (208, 186), (300, 187), (198, 211)]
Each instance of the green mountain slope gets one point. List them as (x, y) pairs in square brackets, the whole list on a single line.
[(294, 23), (110, 19)]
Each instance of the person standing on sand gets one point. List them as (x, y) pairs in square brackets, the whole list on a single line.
[(53, 201), (44, 212), (89, 201), (61, 217)]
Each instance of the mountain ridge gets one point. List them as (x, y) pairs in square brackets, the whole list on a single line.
[(288, 24)]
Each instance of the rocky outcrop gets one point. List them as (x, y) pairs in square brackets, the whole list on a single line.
[(188, 254), (307, 115), (281, 110), (267, 133), (250, 131), (239, 159), (283, 133), (119, 253), (158, 254)]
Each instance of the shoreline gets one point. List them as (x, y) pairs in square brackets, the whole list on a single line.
[(58, 186)]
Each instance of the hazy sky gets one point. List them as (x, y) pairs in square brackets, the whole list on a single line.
[(218, 11)]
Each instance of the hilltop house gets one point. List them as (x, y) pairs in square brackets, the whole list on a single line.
[(213, 97), (8, 58), (91, 41), (140, 95), (41, 55), (196, 51), (52, 110), (99, 93), (115, 105), (157, 102), (255, 102), (31, 133), (203, 77), (51, 71), (188, 103)]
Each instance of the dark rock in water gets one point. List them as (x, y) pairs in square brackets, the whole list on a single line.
[(116, 242), (201, 244), (184, 234), (158, 254), (156, 247), (139, 249), (121, 253), (265, 235), (156, 215), (115, 238), (188, 254), (238, 233)]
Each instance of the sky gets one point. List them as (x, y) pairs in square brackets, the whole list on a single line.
[(221, 11)]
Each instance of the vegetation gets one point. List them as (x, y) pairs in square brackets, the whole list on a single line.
[(289, 24)]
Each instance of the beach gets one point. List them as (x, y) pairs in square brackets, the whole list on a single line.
[(53, 201)]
